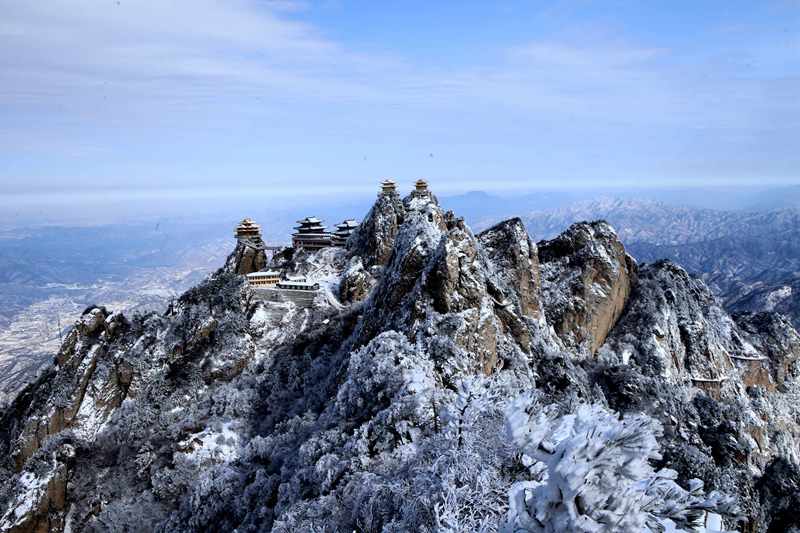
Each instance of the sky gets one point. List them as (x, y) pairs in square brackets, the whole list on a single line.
[(291, 98)]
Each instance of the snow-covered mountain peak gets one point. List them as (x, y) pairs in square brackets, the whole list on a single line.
[(382, 406)]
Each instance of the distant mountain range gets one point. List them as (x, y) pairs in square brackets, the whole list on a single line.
[(480, 208)]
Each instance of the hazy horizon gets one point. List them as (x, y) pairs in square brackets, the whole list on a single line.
[(91, 208)]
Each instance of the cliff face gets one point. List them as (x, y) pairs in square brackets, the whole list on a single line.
[(515, 259), (247, 257), (749, 259), (435, 289), (229, 413), (373, 241), (586, 279)]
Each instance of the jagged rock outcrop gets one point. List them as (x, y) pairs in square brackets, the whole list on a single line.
[(356, 282), (515, 263), (373, 241), (41, 501), (674, 331), (473, 302), (371, 245), (382, 410), (749, 259), (433, 289), (586, 280), (773, 337), (674, 327), (82, 395), (248, 256)]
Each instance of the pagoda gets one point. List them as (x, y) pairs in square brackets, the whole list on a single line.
[(310, 234), (388, 186), (343, 232), (248, 229)]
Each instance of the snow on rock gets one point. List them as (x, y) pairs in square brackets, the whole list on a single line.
[(777, 296), (586, 280), (515, 266), (374, 238), (40, 495), (212, 445), (674, 327)]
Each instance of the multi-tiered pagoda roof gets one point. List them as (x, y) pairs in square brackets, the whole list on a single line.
[(343, 231), (388, 186), (310, 234), (248, 229)]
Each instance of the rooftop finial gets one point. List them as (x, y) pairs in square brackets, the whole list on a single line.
[(343, 232)]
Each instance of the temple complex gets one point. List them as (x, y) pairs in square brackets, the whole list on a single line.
[(271, 287), (343, 232), (310, 234)]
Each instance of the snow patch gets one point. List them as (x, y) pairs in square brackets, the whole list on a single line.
[(777, 296), (212, 445)]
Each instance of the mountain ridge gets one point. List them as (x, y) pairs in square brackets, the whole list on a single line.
[(369, 410)]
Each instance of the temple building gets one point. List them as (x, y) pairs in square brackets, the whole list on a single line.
[(310, 234), (268, 278), (388, 186), (421, 186), (248, 229), (269, 286), (297, 283), (343, 232)]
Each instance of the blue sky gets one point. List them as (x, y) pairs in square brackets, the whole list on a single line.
[(332, 95)]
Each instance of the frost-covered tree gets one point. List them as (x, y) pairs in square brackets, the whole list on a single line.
[(590, 472), (470, 456)]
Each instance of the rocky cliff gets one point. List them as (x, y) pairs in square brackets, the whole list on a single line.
[(749, 259), (248, 256), (587, 278), (381, 407)]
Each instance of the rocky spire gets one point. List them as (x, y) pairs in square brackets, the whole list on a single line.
[(516, 261), (249, 254), (374, 238), (440, 288), (586, 280)]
